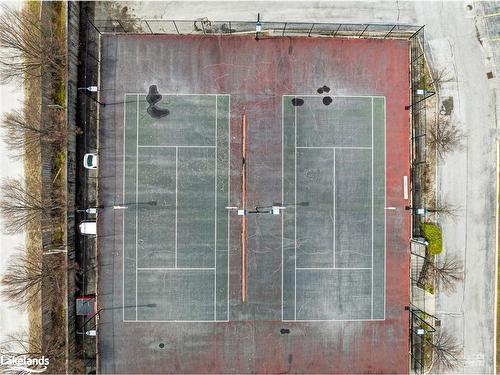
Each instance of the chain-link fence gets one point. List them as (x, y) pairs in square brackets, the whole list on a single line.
[(418, 318), (267, 29), (417, 298), (419, 93), (422, 329), (422, 324)]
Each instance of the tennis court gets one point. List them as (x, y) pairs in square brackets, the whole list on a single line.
[(334, 245), (175, 226), (326, 281)]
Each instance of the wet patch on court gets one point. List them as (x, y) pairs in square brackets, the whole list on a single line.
[(154, 98)]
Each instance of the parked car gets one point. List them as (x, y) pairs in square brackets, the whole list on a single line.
[(88, 227), (90, 161)]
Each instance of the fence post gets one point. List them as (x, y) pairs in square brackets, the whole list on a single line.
[(362, 32), (338, 28), (94, 26), (176, 28), (284, 27), (147, 24), (390, 31), (119, 23), (310, 30), (416, 32)]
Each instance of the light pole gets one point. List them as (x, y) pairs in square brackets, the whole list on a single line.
[(91, 332), (90, 210), (421, 92), (258, 27), (90, 89), (419, 211)]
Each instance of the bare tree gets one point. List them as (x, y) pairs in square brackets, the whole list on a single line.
[(440, 76), (27, 274), (23, 133), (446, 351), (447, 271), (445, 208), (443, 135), (22, 281), (26, 46), (21, 343), (31, 344), (18, 206)]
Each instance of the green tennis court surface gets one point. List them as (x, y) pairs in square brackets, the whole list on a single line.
[(176, 188), (175, 227), (334, 224)]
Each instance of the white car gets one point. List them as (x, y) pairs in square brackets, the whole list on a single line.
[(88, 227), (90, 161)]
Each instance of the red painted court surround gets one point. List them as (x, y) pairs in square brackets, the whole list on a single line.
[(256, 74)]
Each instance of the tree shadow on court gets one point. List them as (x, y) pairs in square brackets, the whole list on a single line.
[(153, 98)]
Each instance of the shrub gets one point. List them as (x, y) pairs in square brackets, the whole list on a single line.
[(433, 234)]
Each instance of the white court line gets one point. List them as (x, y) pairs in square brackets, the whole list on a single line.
[(339, 147), (137, 180), (372, 182), (385, 203), (179, 94), (228, 195), (282, 200), (330, 320), (175, 269), (123, 202), (334, 96), (334, 212), (185, 146), (372, 213), (136, 200), (215, 216), (176, 194), (295, 215), (333, 268), (176, 321)]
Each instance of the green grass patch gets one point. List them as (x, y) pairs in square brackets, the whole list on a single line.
[(59, 24), (33, 7), (432, 233), (60, 94), (429, 288), (423, 323), (59, 16), (59, 160), (58, 235)]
